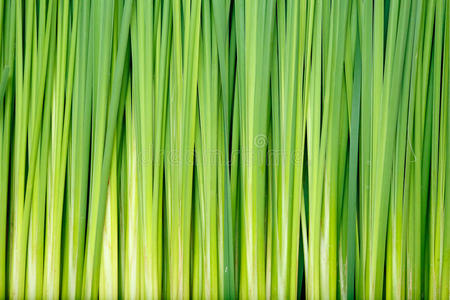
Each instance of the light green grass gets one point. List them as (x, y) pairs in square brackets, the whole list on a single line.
[(222, 149)]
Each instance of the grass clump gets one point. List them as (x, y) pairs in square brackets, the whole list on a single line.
[(224, 149)]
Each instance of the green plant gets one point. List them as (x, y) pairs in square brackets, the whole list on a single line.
[(224, 149)]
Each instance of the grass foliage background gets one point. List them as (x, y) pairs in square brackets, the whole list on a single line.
[(225, 149)]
